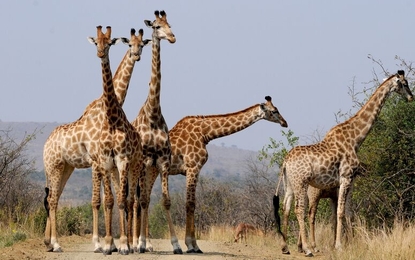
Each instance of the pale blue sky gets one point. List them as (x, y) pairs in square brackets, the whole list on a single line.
[(228, 56)]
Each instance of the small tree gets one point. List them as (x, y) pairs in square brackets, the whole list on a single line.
[(18, 195)]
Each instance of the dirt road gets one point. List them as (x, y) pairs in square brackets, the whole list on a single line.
[(80, 248)]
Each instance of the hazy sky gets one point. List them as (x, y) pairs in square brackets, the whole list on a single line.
[(228, 56)]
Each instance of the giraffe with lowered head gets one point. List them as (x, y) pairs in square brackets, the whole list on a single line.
[(332, 162), (189, 138), (74, 145), (153, 130)]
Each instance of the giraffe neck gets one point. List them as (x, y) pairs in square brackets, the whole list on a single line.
[(122, 76), (110, 99), (362, 122), (216, 126), (152, 104)]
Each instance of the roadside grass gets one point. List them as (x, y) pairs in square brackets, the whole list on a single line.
[(397, 243), (393, 243)]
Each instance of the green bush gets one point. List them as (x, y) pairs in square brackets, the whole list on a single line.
[(158, 222)]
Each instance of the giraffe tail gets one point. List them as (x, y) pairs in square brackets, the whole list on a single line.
[(45, 201), (276, 203)]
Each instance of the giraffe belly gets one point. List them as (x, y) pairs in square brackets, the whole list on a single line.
[(325, 182)]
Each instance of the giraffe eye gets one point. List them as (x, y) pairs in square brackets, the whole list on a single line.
[(158, 27)]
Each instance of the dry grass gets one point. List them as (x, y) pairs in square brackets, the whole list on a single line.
[(397, 243)]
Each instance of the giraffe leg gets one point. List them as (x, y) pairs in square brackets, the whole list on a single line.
[(345, 187), (165, 169), (122, 204), (288, 199), (96, 204), (190, 239), (333, 204), (55, 191), (300, 199), (313, 203), (108, 207), (151, 177), (143, 211)]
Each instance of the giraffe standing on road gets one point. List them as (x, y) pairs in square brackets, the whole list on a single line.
[(119, 147), (189, 138), (333, 162), (154, 133), (76, 145)]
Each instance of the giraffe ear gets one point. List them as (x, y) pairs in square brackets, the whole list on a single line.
[(91, 40), (125, 40), (115, 41), (146, 41), (148, 23)]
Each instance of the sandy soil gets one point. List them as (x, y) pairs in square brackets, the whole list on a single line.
[(79, 248)]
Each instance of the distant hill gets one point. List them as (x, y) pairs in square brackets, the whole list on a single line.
[(225, 163)]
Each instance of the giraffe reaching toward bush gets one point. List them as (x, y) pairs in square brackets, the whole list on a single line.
[(189, 138), (332, 162)]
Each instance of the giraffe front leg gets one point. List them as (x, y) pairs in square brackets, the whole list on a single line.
[(165, 169), (96, 204), (108, 206), (122, 204), (143, 211), (345, 187)]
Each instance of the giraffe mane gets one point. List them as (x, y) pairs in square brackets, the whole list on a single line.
[(219, 115)]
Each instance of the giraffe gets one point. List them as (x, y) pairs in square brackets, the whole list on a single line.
[(189, 138), (74, 145), (154, 133), (119, 147), (332, 162)]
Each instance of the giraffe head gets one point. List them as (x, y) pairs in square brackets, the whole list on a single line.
[(400, 85), (136, 44), (103, 41), (161, 28), (271, 113)]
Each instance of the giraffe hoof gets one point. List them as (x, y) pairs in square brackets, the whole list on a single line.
[(124, 252), (142, 250), (285, 250), (178, 251), (57, 250), (199, 251), (191, 251), (98, 250), (309, 255), (107, 252)]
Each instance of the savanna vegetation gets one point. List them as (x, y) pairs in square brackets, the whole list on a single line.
[(383, 197)]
